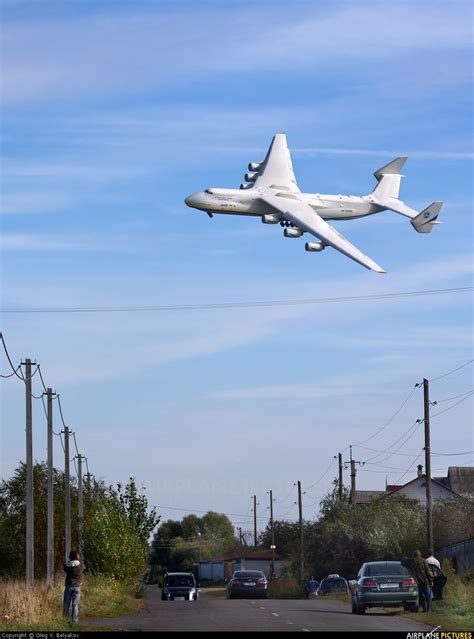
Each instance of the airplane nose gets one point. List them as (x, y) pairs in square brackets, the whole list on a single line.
[(189, 200)]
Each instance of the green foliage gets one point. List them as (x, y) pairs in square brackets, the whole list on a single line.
[(13, 520), (177, 545), (286, 588), (453, 520), (117, 525)]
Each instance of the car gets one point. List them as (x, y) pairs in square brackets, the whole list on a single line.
[(248, 583), (333, 583), (384, 584), (179, 584)]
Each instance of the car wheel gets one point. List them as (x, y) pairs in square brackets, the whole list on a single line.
[(360, 610), (413, 607), (171, 598), (163, 598), (354, 608)]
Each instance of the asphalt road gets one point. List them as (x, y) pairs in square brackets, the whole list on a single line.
[(213, 614)]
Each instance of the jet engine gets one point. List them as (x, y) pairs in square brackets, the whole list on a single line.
[(313, 246), (246, 186), (270, 219), (250, 177), (292, 232), (255, 166)]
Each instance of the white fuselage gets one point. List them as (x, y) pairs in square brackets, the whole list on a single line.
[(248, 202)]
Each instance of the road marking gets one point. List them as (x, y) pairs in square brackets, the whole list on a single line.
[(305, 630), (290, 623), (275, 614), (262, 607)]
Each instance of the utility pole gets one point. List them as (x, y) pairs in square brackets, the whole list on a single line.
[(50, 532), (272, 545), (255, 521), (80, 506), (30, 556), (340, 476), (429, 500), (67, 496), (353, 462), (240, 535), (300, 514)]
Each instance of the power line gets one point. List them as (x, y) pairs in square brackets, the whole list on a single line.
[(194, 510), (467, 452), (453, 406), (22, 377), (413, 426), (435, 379), (390, 420), (226, 305), (450, 399), (322, 476)]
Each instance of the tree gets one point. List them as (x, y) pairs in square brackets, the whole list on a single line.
[(177, 545), (117, 525)]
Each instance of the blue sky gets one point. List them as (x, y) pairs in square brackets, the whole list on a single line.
[(114, 112)]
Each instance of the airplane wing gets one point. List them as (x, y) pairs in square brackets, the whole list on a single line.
[(276, 171), (306, 219)]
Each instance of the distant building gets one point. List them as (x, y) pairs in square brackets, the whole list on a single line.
[(459, 482), (221, 567)]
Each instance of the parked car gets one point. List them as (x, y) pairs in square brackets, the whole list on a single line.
[(333, 583), (247, 583), (179, 584), (384, 584)]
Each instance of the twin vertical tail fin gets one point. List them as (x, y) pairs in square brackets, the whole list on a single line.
[(389, 178), (386, 194), (424, 221)]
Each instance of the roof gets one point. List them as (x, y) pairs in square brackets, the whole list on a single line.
[(461, 479), (366, 496), (246, 554), (419, 478)]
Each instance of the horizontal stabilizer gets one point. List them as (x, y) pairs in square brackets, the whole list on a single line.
[(424, 221)]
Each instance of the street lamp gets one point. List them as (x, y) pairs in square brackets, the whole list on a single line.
[(199, 535), (272, 548)]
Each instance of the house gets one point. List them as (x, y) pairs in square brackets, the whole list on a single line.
[(459, 481), (221, 567)]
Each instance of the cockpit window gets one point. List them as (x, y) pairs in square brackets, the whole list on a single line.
[(208, 191)]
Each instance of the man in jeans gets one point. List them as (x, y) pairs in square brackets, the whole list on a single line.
[(424, 579), (72, 587)]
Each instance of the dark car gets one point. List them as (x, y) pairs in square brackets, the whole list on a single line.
[(384, 584), (247, 583), (331, 584), (179, 584)]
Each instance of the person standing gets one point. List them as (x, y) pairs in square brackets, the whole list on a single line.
[(424, 579), (311, 587), (439, 577), (72, 586)]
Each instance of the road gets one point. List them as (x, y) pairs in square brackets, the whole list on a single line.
[(215, 614)]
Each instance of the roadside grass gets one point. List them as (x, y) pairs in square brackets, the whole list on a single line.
[(456, 610), (216, 592), (40, 607), (288, 588)]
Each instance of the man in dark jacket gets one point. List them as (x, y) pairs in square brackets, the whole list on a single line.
[(424, 579), (72, 587)]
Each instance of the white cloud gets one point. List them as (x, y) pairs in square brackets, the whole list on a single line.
[(107, 53)]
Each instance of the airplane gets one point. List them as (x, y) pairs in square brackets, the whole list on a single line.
[(270, 192)]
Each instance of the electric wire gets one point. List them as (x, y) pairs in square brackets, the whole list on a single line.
[(322, 476), (417, 423), (21, 376), (450, 399), (41, 377), (246, 304), (398, 480), (390, 420), (435, 379), (453, 406)]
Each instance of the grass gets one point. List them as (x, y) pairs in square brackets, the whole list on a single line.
[(40, 608), (456, 610)]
